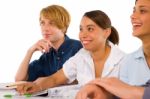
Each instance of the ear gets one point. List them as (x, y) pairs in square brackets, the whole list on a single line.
[(64, 30), (107, 32)]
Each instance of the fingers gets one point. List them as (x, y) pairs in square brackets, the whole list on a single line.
[(42, 45), (95, 81), (85, 92), (25, 88), (81, 95)]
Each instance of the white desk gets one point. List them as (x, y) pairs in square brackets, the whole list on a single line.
[(64, 92)]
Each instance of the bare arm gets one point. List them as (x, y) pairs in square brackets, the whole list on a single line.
[(23, 68), (43, 83), (120, 89), (54, 80), (92, 91)]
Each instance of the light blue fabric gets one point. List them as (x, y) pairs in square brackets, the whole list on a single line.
[(134, 69)]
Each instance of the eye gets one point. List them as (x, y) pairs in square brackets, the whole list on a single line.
[(142, 11), (134, 10), (80, 29), (52, 23), (42, 22), (90, 29)]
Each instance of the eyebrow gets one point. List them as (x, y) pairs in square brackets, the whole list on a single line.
[(141, 6), (144, 6), (90, 25)]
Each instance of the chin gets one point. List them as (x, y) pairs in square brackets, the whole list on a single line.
[(87, 48), (136, 34)]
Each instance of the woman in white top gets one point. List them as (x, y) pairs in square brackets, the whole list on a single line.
[(134, 68), (98, 58)]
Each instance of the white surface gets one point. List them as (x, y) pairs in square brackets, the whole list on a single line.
[(19, 22), (4, 86), (68, 91), (64, 92)]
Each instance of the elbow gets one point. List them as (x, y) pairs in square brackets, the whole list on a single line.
[(20, 78), (17, 79)]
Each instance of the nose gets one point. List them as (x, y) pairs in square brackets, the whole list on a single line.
[(83, 34), (45, 27), (134, 15)]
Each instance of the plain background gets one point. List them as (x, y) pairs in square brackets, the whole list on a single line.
[(19, 27)]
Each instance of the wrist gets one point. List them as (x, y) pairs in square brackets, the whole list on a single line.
[(137, 92), (38, 86), (30, 51)]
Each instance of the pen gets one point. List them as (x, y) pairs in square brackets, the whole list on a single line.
[(14, 85)]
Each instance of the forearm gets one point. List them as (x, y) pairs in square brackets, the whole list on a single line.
[(23, 68), (52, 81), (137, 92)]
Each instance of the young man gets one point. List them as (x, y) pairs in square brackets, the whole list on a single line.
[(56, 46)]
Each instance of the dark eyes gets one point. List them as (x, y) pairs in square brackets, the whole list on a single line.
[(142, 11), (89, 29)]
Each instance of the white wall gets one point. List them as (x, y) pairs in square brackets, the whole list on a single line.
[(20, 27)]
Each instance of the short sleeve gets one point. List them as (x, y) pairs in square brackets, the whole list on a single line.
[(70, 69), (32, 71)]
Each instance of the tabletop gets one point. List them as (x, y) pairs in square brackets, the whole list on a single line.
[(63, 92)]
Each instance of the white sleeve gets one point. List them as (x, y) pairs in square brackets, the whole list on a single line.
[(70, 69)]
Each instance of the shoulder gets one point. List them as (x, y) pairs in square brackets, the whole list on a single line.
[(74, 41), (131, 60), (74, 44), (116, 53), (134, 55), (82, 54)]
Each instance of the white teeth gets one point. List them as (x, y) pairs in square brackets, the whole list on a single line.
[(136, 24), (85, 42)]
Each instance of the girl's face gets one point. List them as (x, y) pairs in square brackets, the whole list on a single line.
[(50, 31), (141, 19), (91, 35)]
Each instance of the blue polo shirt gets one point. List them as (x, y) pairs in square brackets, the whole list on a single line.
[(51, 62)]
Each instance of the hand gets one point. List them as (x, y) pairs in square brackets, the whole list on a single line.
[(92, 91), (42, 45), (119, 88), (28, 87)]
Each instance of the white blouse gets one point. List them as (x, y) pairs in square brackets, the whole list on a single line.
[(81, 66)]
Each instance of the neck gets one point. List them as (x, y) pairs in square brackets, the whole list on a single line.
[(146, 49), (101, 54), (58, 43)]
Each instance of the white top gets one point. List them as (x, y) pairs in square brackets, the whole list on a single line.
[(81, 66), (134, 69)]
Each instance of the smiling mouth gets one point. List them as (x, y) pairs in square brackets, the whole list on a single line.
[(85, 42), (135, 26)]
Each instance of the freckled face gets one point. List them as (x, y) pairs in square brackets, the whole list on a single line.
[(91, 35)]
